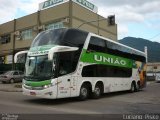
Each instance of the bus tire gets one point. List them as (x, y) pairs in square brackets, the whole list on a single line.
[(84, 92), (97, 91), (138, 86), (133, 87)]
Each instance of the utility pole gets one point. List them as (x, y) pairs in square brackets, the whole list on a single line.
[(146, 52), (13, 51)]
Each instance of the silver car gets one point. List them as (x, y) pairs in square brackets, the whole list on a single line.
[(157, 77), (12, 76)]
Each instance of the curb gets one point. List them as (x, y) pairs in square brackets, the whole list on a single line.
[(11, 90), (150, 82)]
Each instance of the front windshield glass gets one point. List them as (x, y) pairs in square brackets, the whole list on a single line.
[(39, 67), (49, 37)]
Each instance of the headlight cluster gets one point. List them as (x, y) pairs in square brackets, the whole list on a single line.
[(47, 86)]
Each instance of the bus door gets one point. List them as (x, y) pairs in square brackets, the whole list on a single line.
[(73, 86), (67, 86), (63, 86), (66, 66)]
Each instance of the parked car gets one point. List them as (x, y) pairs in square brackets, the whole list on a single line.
[(12, 76), (157, 78)]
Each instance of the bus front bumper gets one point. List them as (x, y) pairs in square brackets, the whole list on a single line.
[(49, 93)]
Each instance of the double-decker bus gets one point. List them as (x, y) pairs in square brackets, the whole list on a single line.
[(65, 63)]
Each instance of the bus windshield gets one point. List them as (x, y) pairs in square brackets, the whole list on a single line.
[(50, 37), (39, 68)]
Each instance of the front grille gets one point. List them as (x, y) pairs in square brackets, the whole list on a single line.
[(33, 88)]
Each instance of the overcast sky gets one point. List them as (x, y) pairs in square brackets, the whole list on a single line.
[(135, 18)]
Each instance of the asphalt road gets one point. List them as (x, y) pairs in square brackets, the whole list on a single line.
[(146, 101)]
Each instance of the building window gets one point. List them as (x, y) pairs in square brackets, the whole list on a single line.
[(155, 67), (27, 34), (2, 60), (54, 26), (5, 39)]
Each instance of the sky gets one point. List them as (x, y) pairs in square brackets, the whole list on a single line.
[(135, 18)]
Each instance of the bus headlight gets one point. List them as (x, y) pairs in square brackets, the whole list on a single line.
[(47, 86)]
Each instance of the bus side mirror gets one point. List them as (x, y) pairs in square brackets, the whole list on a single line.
[(19, 53), (60, 49)]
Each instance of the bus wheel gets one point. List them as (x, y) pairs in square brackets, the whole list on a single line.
[(97, 92), (138, 86), (133, 87), (84, 92)]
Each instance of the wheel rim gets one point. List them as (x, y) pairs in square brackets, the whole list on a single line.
[(12, 81), (132, 87), (84, 92), (138, 87)]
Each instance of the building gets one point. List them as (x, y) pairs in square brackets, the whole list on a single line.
[(17, 35), (153, 69)]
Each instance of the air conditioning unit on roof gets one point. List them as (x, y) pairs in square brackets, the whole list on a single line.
[(19, 38), (17, 33), (35, 28), (42, 27), (66, 20)]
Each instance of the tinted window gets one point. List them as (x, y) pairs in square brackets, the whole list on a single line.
[(67, 62), (89, 71), (97, 44), (15, 73), (75, 38), (106, 71), (49, 37), (122, 51), (5, 39)]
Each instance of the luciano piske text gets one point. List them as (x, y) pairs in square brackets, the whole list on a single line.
[(141, 117)]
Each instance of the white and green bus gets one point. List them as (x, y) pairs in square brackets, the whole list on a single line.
[(65, 63)]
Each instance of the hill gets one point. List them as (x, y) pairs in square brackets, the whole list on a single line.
[(140, 43)]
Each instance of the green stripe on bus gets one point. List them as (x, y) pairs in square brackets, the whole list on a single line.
[(106, 59), (38, 84)]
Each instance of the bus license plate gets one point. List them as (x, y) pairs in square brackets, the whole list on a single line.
[(32, 93)]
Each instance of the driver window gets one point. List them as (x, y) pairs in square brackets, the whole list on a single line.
[(65, 63)]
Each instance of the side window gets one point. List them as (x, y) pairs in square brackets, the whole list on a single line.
[(67, 62), (75, 38), (106, 71), (122, 51), (21, 73), (97, 44), (65, 65), (15, 73), (89, 71)]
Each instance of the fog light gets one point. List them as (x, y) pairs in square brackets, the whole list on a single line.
[(49, 93)]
